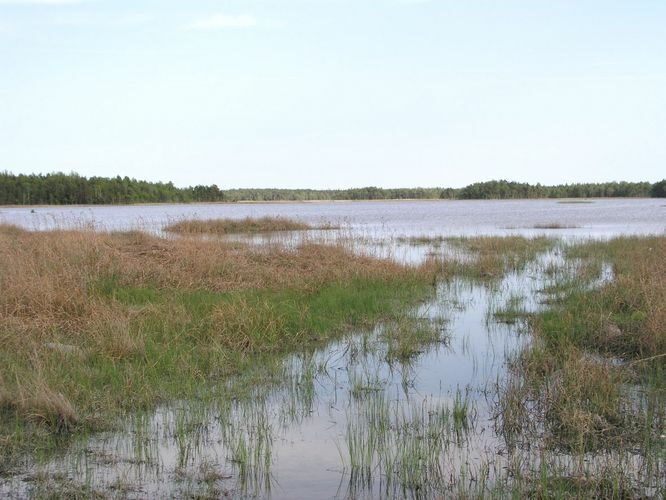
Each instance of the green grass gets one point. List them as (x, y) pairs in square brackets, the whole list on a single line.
[(585, 398), (512, 312), (421, 240), (408, 337), (488, 259), (403, 444), (179, 341)]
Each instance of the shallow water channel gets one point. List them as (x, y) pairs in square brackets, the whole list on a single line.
[(408, 409)]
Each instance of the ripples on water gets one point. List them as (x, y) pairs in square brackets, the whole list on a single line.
[(602, 217)]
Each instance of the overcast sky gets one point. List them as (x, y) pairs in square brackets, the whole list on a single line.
[(335, 93)]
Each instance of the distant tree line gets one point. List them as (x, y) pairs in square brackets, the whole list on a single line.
[(502, 190), (68, 189)]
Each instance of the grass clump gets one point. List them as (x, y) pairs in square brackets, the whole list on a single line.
[(596, 375), (608, 484), (93, 325), (247, 225), (512, 312), (626, 317), (408, 337), (491, 257)]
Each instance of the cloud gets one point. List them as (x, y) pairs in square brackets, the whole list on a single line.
[(223, 21)]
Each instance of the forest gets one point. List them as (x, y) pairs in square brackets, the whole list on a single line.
[(73, 189)]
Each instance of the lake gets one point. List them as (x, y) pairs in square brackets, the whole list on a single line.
[(577, 218)]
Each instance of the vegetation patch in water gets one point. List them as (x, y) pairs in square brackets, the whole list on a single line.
[(490, 258), (555, 225), (403, 444), (247, 225)]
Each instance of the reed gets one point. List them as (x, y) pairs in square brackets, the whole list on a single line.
[(247, 225), (403, 444)]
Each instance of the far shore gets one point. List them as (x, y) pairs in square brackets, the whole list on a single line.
[(297, 202)]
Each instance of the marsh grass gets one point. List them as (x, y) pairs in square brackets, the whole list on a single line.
[(408, 337), (137, 320), (404, 444), (513, 311), (490, 258), (247, 225), (54, 486), (421, 240), (626, 316), (98, 326), (593, 381)]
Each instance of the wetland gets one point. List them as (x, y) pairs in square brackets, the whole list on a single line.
[(415, 349)]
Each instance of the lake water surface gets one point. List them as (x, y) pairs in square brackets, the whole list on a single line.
[(583, 218)]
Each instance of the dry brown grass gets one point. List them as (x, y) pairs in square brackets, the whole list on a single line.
[(247, 225), (63, 326), (34, 400), (48, 280)]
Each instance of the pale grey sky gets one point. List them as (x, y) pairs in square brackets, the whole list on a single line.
[(335, 93)]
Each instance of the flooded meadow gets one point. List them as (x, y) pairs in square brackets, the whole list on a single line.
[(432, 400)]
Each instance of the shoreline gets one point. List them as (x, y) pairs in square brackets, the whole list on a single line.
[(316, 202)]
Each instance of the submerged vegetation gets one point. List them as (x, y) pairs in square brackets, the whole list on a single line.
[(229, 343)]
